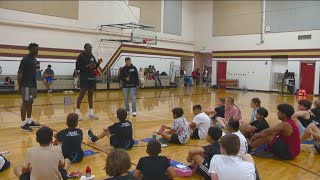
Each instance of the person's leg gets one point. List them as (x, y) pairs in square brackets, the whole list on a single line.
[(261, 141), (45, 82), (67, 163), (197, 158), (23, 110), (29, 109), (166, 136), (82, 93), (221, 121), (314, 128), (281, 150), (248, 158), (126, 98), (304, 136), (90, 101), (195, 134), (160, 81), (133, 92), (156, 82)]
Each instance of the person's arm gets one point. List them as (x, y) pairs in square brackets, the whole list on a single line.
[(122, 74), (270, 131), (171, 171), (298, 114), (192, 152), (137, 174), (79, 64), (26, 167), (311, 132), (165, 127), (20, 73), (214, 176), (248, 129), (192, 125), (98, 62), (136, 77), (58, 137)]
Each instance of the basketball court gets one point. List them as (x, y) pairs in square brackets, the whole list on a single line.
[(154, 110), (240, 48)]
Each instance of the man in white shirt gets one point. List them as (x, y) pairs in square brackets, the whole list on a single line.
[(233, 128), (229, 165), (200, 124)]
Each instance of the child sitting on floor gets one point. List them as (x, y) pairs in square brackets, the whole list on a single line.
[(4, 163), (153, 166), (45, 161), (256, 126), (218, 111), (202, 156), (118, 164), (231, 111), (179, 133), (71, 139), (120, 133)]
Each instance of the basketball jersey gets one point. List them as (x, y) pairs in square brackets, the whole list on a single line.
[(293, 140)]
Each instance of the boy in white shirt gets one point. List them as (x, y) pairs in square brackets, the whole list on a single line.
[(233, 128), (201, 123), (229, 165)]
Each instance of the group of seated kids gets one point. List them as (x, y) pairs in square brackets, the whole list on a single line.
[(226, 157)]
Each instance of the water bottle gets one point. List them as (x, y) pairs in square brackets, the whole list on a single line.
[(154, 135), (88, 172)]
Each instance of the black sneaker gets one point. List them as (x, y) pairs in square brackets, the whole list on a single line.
[(92, 137), (26, 128), (34, 125)]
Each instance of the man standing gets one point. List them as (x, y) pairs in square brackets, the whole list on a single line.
[(28, 86), (48, 78), (130, 80), (87, 63)]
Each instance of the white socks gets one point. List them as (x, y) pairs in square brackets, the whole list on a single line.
[(78, 111), (90, 111), (26, 121), (29, 120), (23, 122)]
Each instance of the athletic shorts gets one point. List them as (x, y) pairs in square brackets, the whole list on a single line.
[(87, 84), (203, 169), (28, 93), (63, 172), (5, 164), (195, 134), (280, 149), (116, 143), (49, 79), (174, 139)]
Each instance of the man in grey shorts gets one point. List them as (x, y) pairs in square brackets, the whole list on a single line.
[(28, 86)]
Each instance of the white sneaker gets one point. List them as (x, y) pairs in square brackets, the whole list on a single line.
[(79, 117), (134, 113), (93, 117)]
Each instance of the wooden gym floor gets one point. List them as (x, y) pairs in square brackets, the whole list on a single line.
[(154, 109)]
